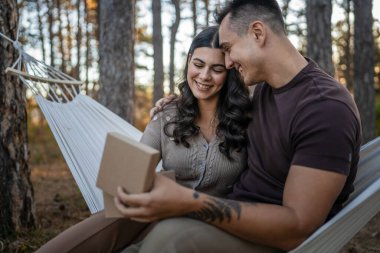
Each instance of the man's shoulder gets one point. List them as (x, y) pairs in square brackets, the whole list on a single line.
[(317, 87)]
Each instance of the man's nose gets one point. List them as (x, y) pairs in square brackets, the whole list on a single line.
[(227, 60)]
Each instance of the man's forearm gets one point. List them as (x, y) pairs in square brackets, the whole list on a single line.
[(270, 225), (214, 210)]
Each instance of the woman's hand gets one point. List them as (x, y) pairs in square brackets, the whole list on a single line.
[(161, 103), (166, 199)]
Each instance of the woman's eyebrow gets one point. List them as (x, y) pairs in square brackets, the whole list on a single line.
[(198, 60), (214, 65)]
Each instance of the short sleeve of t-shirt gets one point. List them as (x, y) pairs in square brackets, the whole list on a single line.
[(323, 135)]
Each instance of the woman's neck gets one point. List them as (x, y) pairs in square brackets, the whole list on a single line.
[(207, 120)]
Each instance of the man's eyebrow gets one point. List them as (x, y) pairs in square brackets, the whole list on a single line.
[(224, 45)]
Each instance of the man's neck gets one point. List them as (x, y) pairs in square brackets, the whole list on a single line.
[(284, 64)]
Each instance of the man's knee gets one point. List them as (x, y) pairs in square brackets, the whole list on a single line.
[(168, 235), (169, 230), (189, 235)]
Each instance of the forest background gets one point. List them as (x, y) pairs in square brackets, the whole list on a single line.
[(146, 42)]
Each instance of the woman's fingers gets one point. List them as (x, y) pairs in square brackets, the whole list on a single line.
[(138, 213), (141, 199)]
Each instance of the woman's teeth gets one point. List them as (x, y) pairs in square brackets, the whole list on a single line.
[(203, 86)]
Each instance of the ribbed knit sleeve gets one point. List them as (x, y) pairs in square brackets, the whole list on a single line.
[(152, 133)]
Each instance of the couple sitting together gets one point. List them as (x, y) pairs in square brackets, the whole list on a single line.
[(255, 172)]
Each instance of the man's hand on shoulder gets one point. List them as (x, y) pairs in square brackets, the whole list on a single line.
[(161, 103)]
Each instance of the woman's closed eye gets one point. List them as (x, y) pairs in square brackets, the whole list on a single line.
[(219, 69), (198, 65)]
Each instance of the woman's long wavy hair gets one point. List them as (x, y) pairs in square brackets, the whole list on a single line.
[(233, 109)]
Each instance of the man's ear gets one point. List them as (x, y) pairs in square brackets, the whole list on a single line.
[(257, 30)]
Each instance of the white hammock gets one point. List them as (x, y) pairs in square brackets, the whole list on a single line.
[(80, 125), (80, 128)]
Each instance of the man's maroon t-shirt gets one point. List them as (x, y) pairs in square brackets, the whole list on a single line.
[(312, 121)]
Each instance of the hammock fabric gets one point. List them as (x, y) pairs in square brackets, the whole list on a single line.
[(80, 128), (80, 125)]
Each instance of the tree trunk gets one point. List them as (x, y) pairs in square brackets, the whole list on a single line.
[(116, 49), (87, 61), (207, 9), (319, 41), (78, 40), (60, 36), (50, 7), (173, 34), (158, 64), (69, 43), (347, 50), (16, 198), (343, 43), (364, 53), (194, 9), (285, 11), (40, 28)]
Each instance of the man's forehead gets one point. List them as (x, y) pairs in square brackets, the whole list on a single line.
[(225, 24), (225, 31)]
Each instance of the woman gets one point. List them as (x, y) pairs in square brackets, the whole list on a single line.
[(201, 137)]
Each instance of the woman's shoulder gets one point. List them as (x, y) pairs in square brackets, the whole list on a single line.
[(169, 111)]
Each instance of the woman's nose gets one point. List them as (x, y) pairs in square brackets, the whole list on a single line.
[(205, 74)]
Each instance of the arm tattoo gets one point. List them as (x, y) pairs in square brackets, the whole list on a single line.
[(216, 209)]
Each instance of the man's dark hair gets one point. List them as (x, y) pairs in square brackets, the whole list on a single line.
[(244, 12)]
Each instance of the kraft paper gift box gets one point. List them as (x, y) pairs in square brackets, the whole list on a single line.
[(127, 163)]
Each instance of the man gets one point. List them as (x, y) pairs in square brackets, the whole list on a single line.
[(304, 142)]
